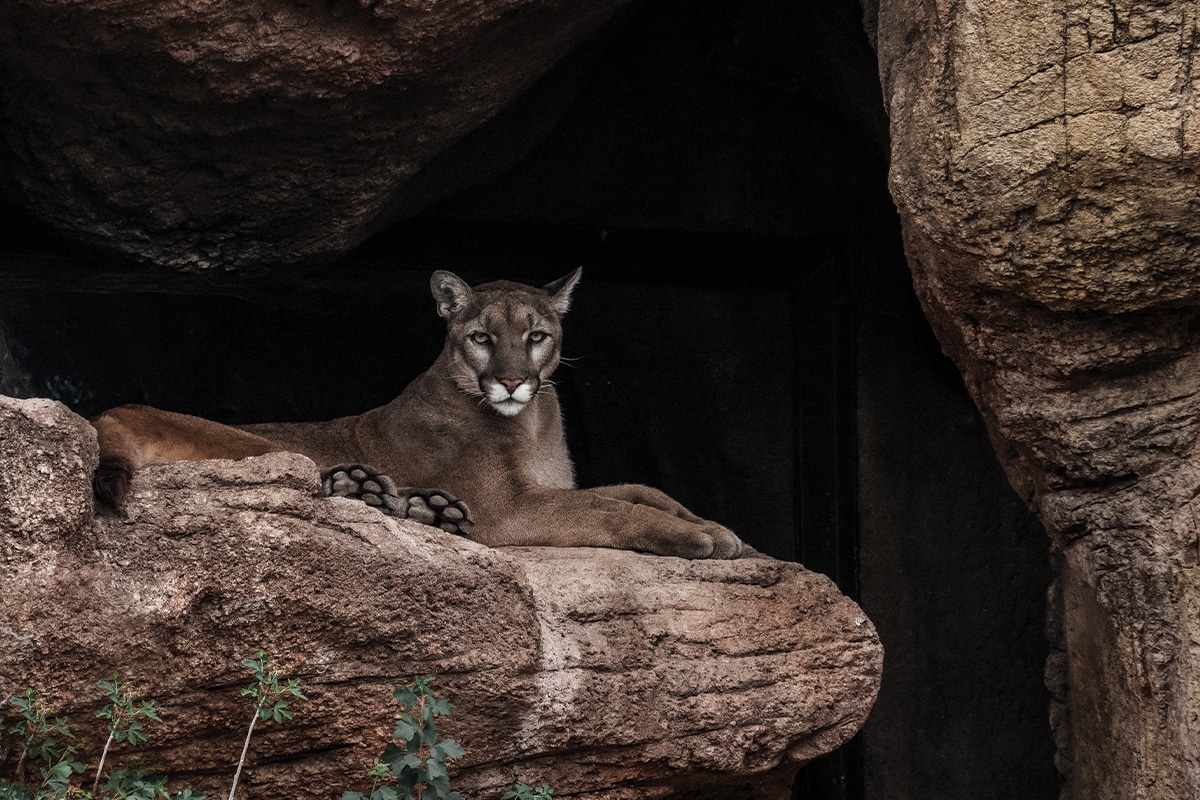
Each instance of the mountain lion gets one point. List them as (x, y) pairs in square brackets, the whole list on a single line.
[(482, 425)]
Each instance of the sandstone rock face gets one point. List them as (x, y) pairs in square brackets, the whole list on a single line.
[(201, 136), (607, 674), (1051, 142), (1044, 161)]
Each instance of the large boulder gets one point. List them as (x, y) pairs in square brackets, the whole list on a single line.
[(607, 674), (1043, 161), (236, 135)]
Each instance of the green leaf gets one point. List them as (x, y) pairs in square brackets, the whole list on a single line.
[(428, 733), (451, 749), (13, 791), (404, 730), (406, 780), (440, 783), (436, 770), (392, 756)]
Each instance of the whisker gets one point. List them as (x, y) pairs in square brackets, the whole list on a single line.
[(468, 386)]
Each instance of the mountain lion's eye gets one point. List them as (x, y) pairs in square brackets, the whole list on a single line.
[(480, 338), (537, 336)]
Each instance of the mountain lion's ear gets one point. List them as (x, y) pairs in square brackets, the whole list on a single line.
[(560, 291), (451, 292)]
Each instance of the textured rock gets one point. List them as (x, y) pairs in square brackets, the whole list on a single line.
[(1044, 166), (1050, 144), (62, 457), (606, 673), (231, 135)]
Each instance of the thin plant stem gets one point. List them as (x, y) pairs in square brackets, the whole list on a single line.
[(103, 755), (242, 760)]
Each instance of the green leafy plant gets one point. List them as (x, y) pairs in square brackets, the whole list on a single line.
[(124, 720), (39, 742), (140, 785), (379, 790), (523, 791), (37, 735), (270, 700), (416, 758), (55, 784)]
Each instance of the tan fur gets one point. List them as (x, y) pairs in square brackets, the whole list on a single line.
[(507, 460)]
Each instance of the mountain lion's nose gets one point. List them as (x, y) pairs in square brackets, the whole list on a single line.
[(511, 383)]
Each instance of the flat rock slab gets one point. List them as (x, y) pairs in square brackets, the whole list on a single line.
[(604, 673)]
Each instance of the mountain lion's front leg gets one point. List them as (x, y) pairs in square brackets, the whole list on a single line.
[(649, 496), (606, 518)]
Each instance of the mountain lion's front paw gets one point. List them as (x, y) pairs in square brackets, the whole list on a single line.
[(427, 506), (700, 540), (725, 542)]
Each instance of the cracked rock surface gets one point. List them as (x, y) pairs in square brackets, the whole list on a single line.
[(607, 674), (1052, 143), (1043, 161)]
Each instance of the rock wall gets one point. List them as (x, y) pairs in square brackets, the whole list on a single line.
[(199, 137), (1043, 164), (605, 673)]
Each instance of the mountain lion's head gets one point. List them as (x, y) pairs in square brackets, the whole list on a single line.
[(504, 338)]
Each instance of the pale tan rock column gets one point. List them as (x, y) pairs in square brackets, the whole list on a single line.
[(1044, 165)]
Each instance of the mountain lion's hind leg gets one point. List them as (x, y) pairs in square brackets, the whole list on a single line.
[(132, 436), (427, 506)]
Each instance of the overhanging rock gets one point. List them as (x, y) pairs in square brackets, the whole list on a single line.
[(243, 134), (604, 673)]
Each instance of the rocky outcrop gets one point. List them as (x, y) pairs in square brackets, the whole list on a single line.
[(238, 135), (1044, 161), (605, 673)]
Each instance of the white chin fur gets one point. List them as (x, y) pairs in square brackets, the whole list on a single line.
[(510, 404), (509, 408)]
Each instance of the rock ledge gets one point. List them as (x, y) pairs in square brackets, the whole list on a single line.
[(604, 673)]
